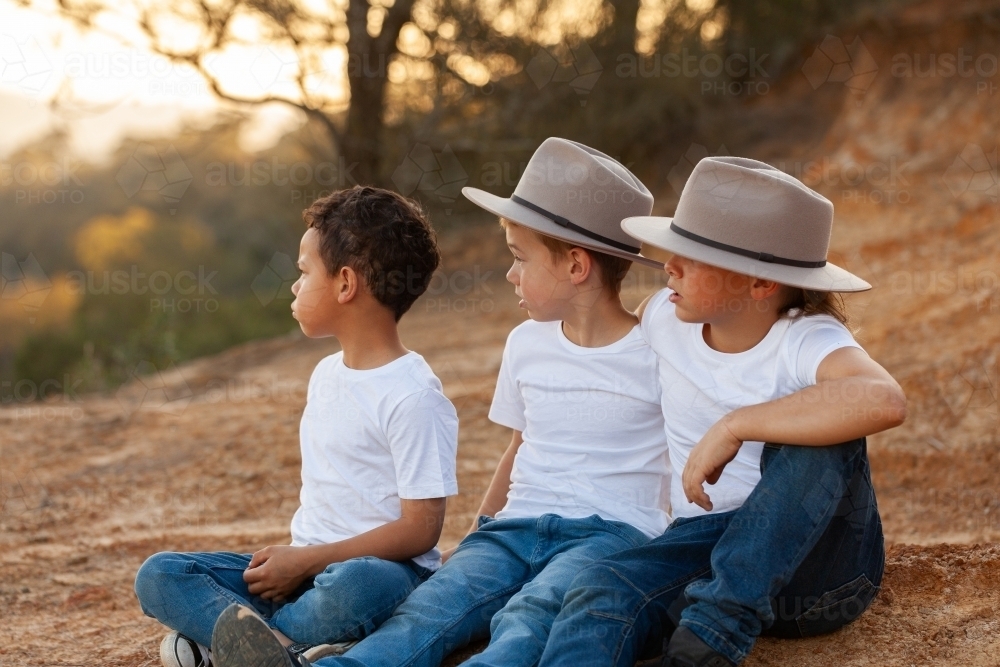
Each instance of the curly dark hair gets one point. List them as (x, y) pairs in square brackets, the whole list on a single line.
[(385, 237)]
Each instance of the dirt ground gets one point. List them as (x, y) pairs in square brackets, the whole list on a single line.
[(205, 456)]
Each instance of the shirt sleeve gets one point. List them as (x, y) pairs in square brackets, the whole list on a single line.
[(423, 440), (652, 312), (813, 338), (508, 403)]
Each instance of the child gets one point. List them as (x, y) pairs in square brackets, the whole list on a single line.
[(378, 440), (585, 470), (752, 349)]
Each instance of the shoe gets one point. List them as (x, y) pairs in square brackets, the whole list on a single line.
[(686, 649), (242, 639), (313, 652), (176, 650)]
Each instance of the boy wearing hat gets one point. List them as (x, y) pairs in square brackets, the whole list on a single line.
[(585, 473), (767, 398)]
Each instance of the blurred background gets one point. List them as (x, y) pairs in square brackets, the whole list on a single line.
[(155, 159)]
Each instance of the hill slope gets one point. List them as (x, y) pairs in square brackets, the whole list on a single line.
[(205, 456)]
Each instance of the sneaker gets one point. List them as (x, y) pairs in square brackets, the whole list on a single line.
[(242, 639), (176, 650), (686, 649), (313, 652)]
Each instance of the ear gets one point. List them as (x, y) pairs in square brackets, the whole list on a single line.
[(348, 283), (761, 289), (581, 265)]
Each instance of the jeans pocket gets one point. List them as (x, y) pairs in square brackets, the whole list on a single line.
[(836, 608)]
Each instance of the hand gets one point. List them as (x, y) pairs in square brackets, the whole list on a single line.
[(707, 460), (276, 571)]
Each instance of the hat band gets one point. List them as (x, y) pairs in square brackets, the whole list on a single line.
[(563, 222), (760, 256)]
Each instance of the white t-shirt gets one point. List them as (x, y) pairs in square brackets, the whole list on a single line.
[(592, 428), (370, 438), (701, 385)]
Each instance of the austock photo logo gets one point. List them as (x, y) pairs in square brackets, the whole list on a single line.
[(147, 169), (23, 63), (575, 65), (430, 172), (267, 68), (276, 279), (736, 75), (20, 494), (974, 172), (835, 62), (680, 172), (24, 282), (149, 389), (43, 182)]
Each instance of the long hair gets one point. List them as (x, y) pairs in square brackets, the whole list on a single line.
[(814, 302)]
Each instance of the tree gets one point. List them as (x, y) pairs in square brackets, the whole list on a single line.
[(368, 30), (368, 33)]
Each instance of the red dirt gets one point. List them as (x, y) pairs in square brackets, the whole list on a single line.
[(88, 489)]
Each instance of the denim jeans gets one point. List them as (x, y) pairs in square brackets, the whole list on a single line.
[(505, 581), (188, 591), (803, 555)]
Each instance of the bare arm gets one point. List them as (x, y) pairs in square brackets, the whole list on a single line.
[(496, 494), (853, 397), (276, 571)]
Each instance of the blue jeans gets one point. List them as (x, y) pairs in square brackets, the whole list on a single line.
[(505, 581), (804, 555), (188, 591)]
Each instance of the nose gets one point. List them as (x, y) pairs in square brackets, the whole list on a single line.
[(512, 274), (673, 267), (295, 287)]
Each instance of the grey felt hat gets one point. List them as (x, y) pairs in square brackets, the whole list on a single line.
[(576, 194), (748, 217)]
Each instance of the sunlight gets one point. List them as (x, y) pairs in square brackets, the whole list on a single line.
[(108, 239), (649, 22)]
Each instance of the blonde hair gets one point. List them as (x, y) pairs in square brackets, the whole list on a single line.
[(612, 269)]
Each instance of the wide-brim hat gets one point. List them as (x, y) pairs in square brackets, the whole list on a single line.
[(576, 194), (750, 218)]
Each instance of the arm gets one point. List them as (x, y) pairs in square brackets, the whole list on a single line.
[(642, 307), (853, 397), (276, 571), (496, 494)]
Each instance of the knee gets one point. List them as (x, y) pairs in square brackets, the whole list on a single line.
[(358, 584), (596, 586), (149, 578), (536, 605), (356, 574)]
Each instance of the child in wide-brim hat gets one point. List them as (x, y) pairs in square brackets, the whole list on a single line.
[(768, 398), (585, 473)]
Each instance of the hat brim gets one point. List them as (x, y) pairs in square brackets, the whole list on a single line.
[(656, 231), (511, 210)]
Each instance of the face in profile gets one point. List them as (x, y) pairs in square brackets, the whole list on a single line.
[(315, 305), (541, 278), (701, 292)]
